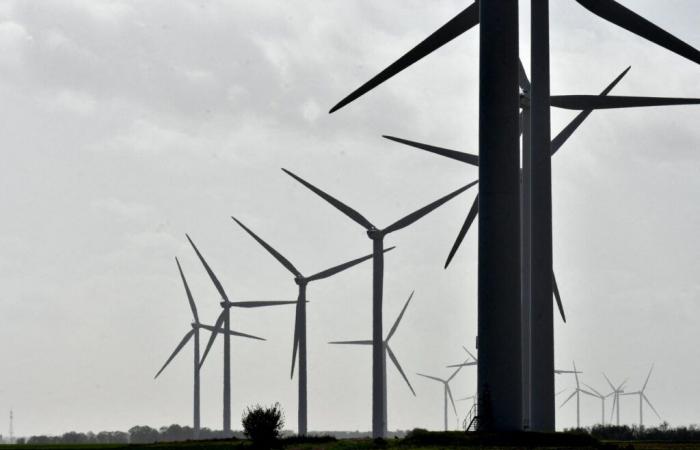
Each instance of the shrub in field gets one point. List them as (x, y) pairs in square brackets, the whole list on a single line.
[(263, 425)]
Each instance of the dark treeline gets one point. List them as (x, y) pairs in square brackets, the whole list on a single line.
[(663, 432), (140, 434)]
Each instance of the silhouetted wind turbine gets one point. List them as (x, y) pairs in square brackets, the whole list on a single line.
[(498, 61), (577, 393), (392, 356), (300, 317), (643, 396), (473, 160), (224, 320), (447, 392), (602, 398), (377, 236), (616, 391), (194, 332)]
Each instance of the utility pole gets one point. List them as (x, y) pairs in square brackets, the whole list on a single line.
[(499, 296)]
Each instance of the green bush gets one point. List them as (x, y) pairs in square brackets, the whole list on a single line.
[(263, 425)]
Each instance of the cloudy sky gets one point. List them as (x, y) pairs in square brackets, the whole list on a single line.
[(127, 124)]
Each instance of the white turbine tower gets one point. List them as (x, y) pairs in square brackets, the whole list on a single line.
[(391, 355), (643, 397), (602, 398), (224, 322), (577, 393), (447, 392), (194, 333), (616, 391)]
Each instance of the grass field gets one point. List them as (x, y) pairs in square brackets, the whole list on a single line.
[(424, 440)]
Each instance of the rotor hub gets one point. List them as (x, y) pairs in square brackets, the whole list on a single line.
[(374, 234)]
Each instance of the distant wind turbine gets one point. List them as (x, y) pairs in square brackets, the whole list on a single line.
[(300, 318), (642, 396), (224, 320), (377, 236), (194, 332), (602, 398), (392, 356), (616, 391), (577, 393), (446, 390)]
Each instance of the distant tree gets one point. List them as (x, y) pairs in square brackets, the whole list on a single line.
[(73, 437), (175, 433), (143, 434), (20, 441), (263, 425), (112, 437)]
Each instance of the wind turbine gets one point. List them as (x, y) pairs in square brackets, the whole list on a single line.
[(498, 111), (447, 392), (194, 333), (616, 391), (300, 317), (392, 356), (377, 236), (577, 393), (602, 398), (223, 322), (642, 396)]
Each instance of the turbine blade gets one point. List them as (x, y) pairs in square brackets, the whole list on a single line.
[(651, 406), (182, 343), (609, 382), (557, 297), (295, 345), (213, 278), (342, 207), (452, 400), (616, 101), (270, 250), (193, 307), (568, 398), (588, 393), (365, 342), (612, 410), (456, 26), (466, 364), (622, 17), (398, 319), (262, 303), (398, 366), (453, 154), (522, 77), (454, 374), (591, 388), (648, 376), (416, 215), (432, 378), (339, 268), (566, 133), (212, 338), (470, 353), (575, 374), (473, 211), (622, 384), (231, 332)]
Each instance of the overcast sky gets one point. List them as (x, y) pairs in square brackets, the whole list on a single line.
[(127, 124)]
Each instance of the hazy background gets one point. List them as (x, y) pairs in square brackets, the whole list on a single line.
[(126, 124)]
